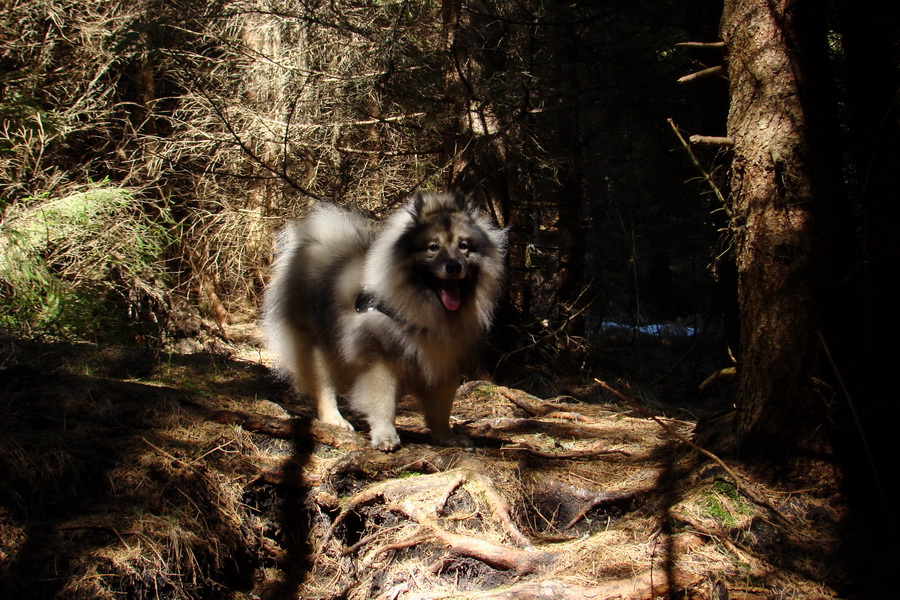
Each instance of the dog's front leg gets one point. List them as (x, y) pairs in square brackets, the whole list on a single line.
[(375, 395), (437, 404)]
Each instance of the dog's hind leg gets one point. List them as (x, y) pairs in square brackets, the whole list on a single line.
[(326, 405), (375, 395), (437, 403)]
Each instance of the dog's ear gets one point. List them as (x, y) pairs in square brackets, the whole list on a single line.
[(417, 201), (460, 200)]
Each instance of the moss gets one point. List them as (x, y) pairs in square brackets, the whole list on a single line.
[(723, 502), (84, 265)]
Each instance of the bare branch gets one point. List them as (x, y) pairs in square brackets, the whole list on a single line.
[(717, 70), (711, 45), (712, 140)]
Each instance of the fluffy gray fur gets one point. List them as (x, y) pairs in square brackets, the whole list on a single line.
[(378, 315)]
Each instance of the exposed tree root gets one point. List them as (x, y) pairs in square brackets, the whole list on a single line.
[(271, 426), (590, 499), (404, 524), (369, 538), (553, 427), (536, 407), (499, 556), (559, 499), (563, 455), (289, 429), (646, 586), (420, 499), (500, 508)]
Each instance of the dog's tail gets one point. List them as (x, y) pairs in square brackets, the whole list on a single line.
[(305, 252), (335, 228)]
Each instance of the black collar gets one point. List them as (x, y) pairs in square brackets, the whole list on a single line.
[(367, 302)]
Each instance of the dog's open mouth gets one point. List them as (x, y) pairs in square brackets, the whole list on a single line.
[(448, 290)]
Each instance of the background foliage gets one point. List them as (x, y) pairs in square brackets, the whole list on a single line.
[(222, 119)]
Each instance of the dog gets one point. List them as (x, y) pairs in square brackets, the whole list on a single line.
[(375, 314)]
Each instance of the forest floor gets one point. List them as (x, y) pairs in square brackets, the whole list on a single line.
[(133, 474)]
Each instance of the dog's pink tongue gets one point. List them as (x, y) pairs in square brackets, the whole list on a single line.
[(450, 294)]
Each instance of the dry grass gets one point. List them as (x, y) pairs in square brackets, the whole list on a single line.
[(125, 484)]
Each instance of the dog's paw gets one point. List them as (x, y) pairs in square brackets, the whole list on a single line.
[(337, 421), (386, 442), (455, 440)]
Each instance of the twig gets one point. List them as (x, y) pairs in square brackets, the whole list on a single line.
[(529, 404), (712, 185), (725, 373), (536, 408), (239, 141), (536, 341), (172, 457)]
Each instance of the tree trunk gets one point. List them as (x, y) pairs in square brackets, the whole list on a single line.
[(772, 191)]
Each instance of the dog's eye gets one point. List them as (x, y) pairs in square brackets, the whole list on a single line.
[(433, 247), (463, 245)]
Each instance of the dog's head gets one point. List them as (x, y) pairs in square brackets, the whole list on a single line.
[(446, 246)]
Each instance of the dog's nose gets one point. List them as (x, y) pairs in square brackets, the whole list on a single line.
[(453, 268)]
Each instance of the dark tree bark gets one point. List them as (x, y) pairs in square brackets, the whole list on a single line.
[(775, 195)]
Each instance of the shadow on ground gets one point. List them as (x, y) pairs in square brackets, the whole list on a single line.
[(115, 483)]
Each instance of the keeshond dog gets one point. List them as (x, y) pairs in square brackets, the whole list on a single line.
[(376, 314)]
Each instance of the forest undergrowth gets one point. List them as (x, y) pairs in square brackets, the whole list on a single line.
[(130, 473)]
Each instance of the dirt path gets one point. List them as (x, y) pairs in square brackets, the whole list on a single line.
[(198, 476)]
